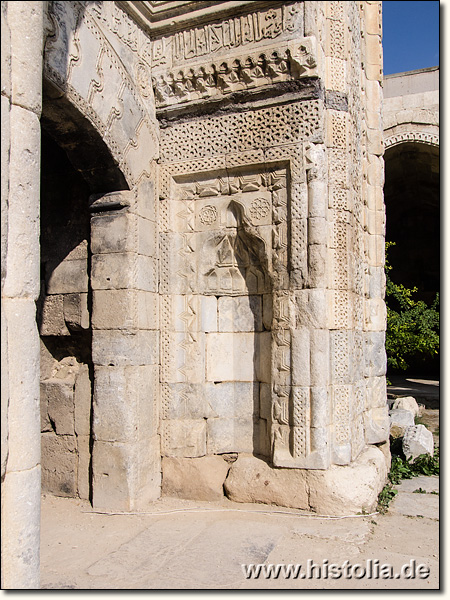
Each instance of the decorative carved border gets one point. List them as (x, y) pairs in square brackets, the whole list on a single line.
[(236, 73), (290, 427), (420, 137)]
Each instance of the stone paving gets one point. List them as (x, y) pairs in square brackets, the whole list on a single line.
[(203, 545)]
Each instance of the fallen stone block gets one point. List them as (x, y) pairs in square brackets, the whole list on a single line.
[(400, 419), (406, 403), (194, 478), (417, 440)]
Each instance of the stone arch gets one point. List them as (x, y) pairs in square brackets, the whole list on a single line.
[(75, 165), (81, 47), (397, 135), (411, 192)]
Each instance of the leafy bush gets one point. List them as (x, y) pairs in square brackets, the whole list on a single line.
[(412, 325)]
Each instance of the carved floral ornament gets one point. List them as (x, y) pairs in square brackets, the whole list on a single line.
[(236, 74)]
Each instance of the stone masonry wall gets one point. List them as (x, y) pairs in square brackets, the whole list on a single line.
[(250, 170)]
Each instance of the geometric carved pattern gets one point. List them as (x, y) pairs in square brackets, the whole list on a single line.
[(342, 415), (240, 132)]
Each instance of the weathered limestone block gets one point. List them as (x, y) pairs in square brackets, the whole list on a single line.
[(122, 480), (68, 277), (312, 309), (52, 320), (301, 357), (345, 490), (123, 232), (406, 403), (84, 461), (83, 401), (375, 396), (184, 357), (232, 399), (400, 420), (60, 401), (417, 440), (76, 312), (209, 315), (230, 435), (125, 347), (240, 313), (250, 479), (185, 438), (376, 425), (375, 354), (194, 478), (184, 401), (265, 401), (124, 403), (231, 357), (121, 271), (125, 309), (59, 464)]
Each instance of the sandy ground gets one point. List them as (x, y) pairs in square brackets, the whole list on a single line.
[(200, 545)]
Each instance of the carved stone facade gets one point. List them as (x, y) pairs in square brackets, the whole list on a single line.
[(213, 283)]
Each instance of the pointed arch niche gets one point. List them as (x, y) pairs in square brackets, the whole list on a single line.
[(225, 350)]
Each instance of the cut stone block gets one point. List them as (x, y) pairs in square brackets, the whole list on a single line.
[(194, 478), (60, 401), (59, 464), (347, 490), (240, 313), (124, 403), (124, 347), (76, 312), (52, 320), (232, 399), (230, 357), (230, 435), (400, 419), (82, 401), (70, 276), (251, 479), (417, 440), (84, 460), (407, 403), (184, 438)]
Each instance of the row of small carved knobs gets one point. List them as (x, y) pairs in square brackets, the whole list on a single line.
[(208, 81)]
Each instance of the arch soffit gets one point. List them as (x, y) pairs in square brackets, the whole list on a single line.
[(78, 53)]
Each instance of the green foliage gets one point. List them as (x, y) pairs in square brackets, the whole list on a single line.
[(385, 497), (406, 468), (412, 325)]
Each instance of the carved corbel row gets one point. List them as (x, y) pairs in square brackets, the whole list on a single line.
[(236, 74)]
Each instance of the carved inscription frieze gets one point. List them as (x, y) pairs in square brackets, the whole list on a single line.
[(228, 34)]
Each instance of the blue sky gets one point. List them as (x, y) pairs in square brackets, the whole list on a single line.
[(410, 35)]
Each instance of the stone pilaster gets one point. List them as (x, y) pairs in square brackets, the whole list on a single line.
[(125, 351)]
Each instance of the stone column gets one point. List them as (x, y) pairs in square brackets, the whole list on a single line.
[(22, 33), (125, 352)]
